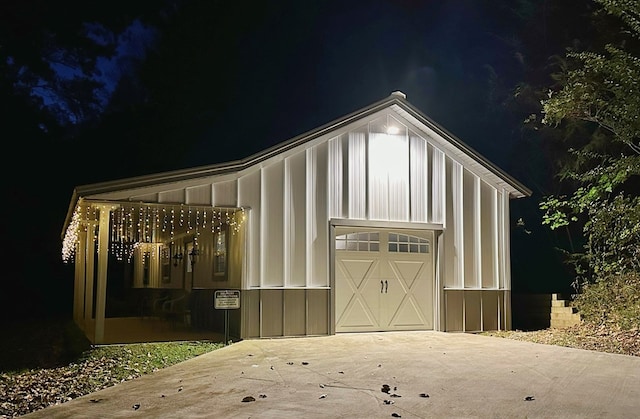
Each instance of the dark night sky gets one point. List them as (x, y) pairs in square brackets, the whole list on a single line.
[(300, 66), (301, 70)]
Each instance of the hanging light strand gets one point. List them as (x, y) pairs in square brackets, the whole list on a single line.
[(136, 223)]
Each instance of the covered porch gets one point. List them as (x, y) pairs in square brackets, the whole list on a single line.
[(148, 271)]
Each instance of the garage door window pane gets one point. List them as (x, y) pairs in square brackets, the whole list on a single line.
[(358, 242), (404, 243)]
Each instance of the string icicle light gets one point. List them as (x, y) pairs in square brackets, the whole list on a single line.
[(134, 223)]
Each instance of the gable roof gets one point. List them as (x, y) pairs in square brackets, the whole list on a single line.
[(396, 100)]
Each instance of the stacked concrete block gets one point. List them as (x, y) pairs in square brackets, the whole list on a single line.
[(562, 314)]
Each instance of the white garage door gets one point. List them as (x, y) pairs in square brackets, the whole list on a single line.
[(384, 280)]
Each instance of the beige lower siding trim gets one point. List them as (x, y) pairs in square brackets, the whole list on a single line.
[(285, 312), (477, 310)]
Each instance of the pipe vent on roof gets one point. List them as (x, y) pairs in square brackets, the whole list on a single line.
[(399, 94)]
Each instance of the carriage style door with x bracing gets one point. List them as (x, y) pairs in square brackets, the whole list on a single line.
[(383, 280)]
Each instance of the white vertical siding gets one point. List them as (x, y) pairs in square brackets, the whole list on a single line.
[(378, 178), (449, 235), (335, 178), (170, 196), (198, 195), (357, 183), (470, 239), (249, 196), (318, 205), (488, 196), (225, 194), (457, 192), (438, 187), (505, 258), (367, 174), (418, 178), (296, 220), (272, 234), (388, 177), (398, 175)]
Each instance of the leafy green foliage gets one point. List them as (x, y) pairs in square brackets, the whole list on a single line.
[(52, 54), (614, 236), (613, 300), (601, 90)]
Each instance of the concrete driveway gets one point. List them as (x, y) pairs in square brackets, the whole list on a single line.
[(428, 374)]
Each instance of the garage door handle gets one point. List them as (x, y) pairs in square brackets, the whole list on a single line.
[(384, 286)]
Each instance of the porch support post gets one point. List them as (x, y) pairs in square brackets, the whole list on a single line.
[(103, 254), (89, 247), (80, 279)]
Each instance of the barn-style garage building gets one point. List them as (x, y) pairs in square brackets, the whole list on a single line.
[(380, 220)]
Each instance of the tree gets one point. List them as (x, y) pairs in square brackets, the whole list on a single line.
[(51, 54), (599, 93)]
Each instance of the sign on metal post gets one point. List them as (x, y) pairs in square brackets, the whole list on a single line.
[(226, 300)]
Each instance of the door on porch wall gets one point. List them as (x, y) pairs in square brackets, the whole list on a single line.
[(383, 280)]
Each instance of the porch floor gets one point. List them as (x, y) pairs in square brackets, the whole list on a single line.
[(149, 329)]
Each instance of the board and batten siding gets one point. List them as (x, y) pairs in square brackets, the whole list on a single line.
[(361, 173)]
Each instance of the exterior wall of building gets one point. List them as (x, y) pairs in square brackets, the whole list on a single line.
[(362, 174), (368, 172), (285, 312)]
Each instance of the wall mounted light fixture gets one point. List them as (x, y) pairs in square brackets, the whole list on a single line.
[(192, 254), (177, 258)]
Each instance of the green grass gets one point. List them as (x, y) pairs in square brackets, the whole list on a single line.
[(125, 362), (49, 362)]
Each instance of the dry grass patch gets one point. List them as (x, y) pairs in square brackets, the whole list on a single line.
[(584, 336)]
